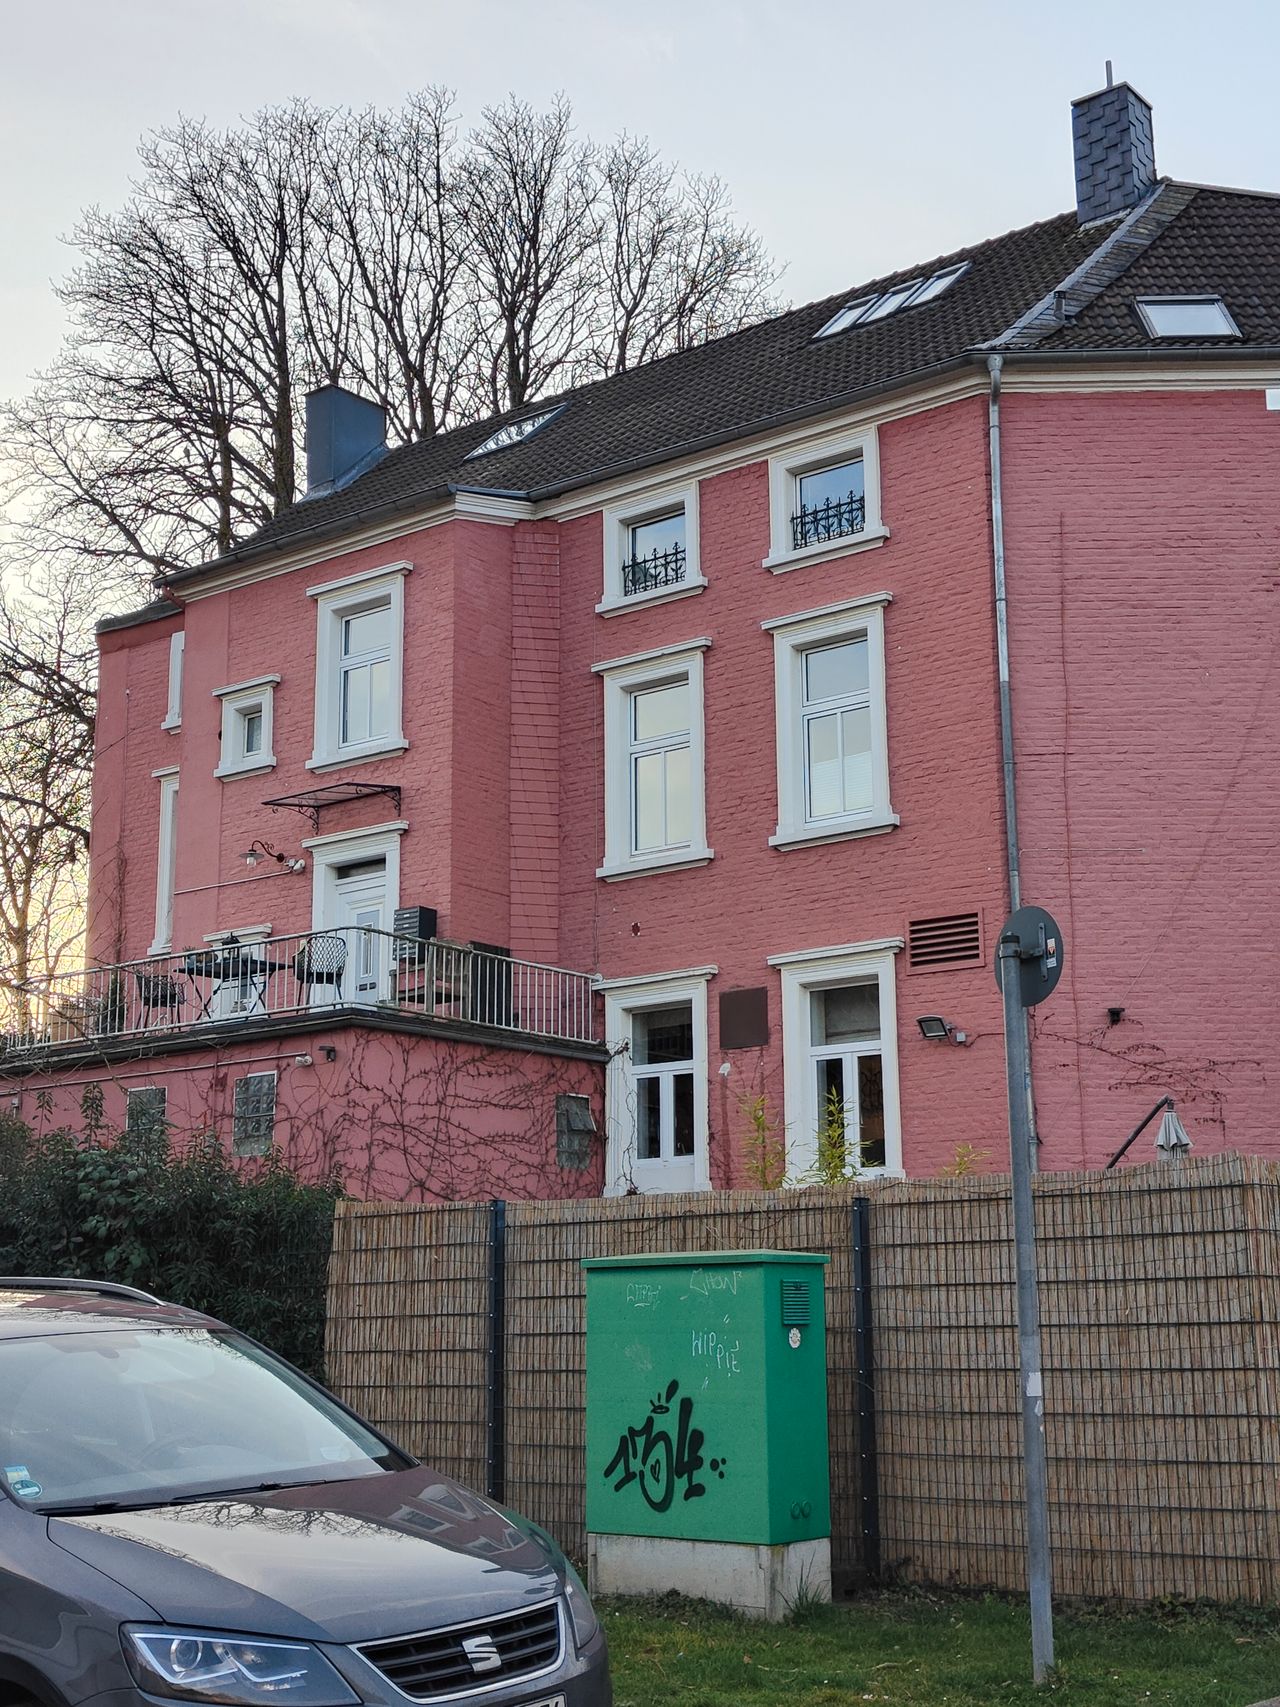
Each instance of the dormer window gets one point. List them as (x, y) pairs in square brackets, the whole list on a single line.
[(1186, 317), (910, 294), (514, 432)]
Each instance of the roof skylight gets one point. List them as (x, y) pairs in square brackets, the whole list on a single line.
[(514, 432), (908, 295), (1186, 317)]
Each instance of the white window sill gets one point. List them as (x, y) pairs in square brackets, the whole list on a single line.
[(660, 595), (356, 755), (172, 724), (651, 863), (225, 772), (780, 561), (814, 835), (160, 948)]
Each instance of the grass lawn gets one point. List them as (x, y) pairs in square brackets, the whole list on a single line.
[(944, 1650)]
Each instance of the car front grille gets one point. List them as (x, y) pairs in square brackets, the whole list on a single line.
[(439, 1664)]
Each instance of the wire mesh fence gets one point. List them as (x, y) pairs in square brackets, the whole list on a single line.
[(1159, 1295)]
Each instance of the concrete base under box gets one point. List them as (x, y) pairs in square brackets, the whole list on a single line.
[(763, 1582)]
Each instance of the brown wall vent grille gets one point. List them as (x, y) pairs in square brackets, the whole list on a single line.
[(935, 944)]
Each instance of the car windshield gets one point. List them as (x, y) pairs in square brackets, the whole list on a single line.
[(147, 1415)]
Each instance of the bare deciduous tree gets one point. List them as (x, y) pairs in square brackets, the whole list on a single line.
[(46, 744), (446, 276)]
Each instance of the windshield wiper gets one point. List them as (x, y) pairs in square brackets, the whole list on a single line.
[(251, 1488), (93, 1508)]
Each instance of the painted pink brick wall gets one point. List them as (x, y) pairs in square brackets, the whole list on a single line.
[(479, 834), (753, 901), (129, 745), (503, 777), (1144, 562), (534, 867), (392, 1117)]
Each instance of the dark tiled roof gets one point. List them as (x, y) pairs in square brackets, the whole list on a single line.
[(1223, 243), (1187, 241)]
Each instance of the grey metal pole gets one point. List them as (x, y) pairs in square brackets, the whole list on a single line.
[(1030, 1371)]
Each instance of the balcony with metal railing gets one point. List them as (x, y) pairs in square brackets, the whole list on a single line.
[(351, 970)]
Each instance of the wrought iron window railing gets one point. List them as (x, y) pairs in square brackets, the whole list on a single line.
[(830, 520), (658, 569), (348, 966)]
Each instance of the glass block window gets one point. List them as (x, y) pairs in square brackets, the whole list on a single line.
[(254, 1119), (144, 1111), (575, 1132)]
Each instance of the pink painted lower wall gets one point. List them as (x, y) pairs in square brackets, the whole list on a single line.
[(1143, 536), (392, 1117)]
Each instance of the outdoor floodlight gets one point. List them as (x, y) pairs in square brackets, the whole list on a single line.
[(939, 1030)]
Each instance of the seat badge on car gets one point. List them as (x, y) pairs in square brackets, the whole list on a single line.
[(483, 1653)]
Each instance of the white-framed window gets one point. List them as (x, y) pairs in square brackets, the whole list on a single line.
[(173, 703), (166, 859), (654, 795), (248, 727), (840, 1059), (651, 550), (833, 750), (656, 1082), (359, 666), (824, 500), (1186, 317)]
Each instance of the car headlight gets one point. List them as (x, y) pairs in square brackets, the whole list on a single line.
[(582, 1614), (203, 1665)]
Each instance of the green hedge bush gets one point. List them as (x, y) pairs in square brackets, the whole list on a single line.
[(179, 1220)]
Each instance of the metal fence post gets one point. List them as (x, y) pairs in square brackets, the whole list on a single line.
[(865, 1387), (496, 1397)]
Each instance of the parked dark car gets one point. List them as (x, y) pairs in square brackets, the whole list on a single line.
[(185, 1517)]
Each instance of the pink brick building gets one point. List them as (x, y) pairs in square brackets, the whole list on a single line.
[(597, 798)]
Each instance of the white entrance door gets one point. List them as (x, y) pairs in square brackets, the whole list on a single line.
[(662, 1070), (362, 920)]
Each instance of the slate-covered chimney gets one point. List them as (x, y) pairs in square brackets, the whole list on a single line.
[(1115, 154), (346, 435)]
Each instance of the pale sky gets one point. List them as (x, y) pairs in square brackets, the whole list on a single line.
[(855, 136)]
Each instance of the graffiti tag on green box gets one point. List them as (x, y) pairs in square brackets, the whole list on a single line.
[(658, 1462)]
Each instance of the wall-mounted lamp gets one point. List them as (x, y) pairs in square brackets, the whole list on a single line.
[(329, 1052), (302, 1060), (259, 850), (939, 1030)]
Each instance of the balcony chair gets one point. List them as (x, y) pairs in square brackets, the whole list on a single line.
[(159, 992), (321, 961)]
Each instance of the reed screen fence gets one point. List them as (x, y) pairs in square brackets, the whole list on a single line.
[(1160, 1297)]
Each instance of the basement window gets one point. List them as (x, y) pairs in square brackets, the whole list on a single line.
[(1186, 317), (514, 433), (910, 294)]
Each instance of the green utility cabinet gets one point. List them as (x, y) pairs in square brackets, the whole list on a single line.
[(707, 1397)]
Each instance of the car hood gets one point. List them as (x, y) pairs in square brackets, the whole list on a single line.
[(337, 1561)]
